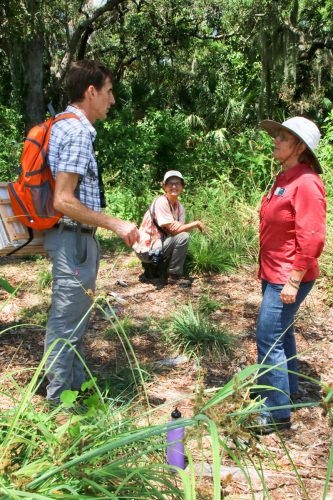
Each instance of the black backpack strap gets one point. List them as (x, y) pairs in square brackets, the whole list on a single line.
[(100, 182), (51, 109), (101, 188), (31, 235)]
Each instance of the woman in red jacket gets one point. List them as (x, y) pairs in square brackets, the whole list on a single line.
[(292, 236)]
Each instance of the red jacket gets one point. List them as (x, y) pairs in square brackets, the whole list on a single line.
[(292, 225)]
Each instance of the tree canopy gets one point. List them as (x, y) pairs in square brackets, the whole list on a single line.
[(225, 62)]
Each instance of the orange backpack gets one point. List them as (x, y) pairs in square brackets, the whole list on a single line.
[(32, 194)]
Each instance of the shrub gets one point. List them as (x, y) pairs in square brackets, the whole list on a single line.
[(11, 140), (135, 156)]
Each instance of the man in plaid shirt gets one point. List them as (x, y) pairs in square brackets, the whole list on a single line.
[(72, 244)]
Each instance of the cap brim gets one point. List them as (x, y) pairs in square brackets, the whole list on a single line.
[(272, 128), (169, 176)]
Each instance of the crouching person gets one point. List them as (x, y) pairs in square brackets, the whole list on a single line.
[(164, 236)]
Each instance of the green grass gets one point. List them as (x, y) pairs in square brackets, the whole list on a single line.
[(207, 305), (116, 449), (134, 262), (6, 285), (189, 330), (110, 242), (36, 315), (232, 226), (112, 449), (209, 256), (123, 326), (44, 279), (123, 383)]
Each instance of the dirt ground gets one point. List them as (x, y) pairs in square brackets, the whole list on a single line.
[(238, 295)]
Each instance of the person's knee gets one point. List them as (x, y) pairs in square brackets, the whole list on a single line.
[(182, 238), (266, 336)]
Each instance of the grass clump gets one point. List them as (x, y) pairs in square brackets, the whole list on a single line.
[(209, 256), (207, 305), (125, 326), (44, 279), (35, 315), (191, 330), (125, 382)]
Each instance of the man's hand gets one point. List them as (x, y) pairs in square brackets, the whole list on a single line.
[(127, 231), (288, 294), (201, 226)]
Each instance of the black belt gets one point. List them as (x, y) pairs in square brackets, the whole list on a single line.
[(75, 229)]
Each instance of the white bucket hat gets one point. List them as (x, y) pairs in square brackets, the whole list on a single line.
[(172, 173), (302, 128)]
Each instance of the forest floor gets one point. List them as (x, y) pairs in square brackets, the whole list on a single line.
[(238, 295)]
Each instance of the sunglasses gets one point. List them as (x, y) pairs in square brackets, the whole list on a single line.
[(174, 183)]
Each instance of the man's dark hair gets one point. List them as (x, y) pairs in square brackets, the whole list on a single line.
[(81, 75)]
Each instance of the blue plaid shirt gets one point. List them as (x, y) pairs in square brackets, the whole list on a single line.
[(71, 150)]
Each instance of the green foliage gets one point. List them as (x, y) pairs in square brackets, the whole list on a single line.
[(109, 241), (6, 285), (232, 228), (137, 154), (11, 140), (326, 155), (249, 162), (208, 256), (124, 326), (44, 279), (123, 383), (326, 158), (36, 315), (190, 330), (207, 305), (68, 397)]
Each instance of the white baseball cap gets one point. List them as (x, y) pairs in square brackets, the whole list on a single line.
[(172, 173), (301, 127)]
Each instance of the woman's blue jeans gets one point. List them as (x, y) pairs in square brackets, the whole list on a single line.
[(276, 345)]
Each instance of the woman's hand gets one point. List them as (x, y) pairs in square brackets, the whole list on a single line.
[(201, 226), (288, 293)]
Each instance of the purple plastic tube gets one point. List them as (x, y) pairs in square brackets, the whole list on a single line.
[(175, 448)]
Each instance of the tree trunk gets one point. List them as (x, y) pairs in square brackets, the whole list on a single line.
[(33, 76)]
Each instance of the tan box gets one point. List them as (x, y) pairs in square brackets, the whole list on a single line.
[(12, 232)]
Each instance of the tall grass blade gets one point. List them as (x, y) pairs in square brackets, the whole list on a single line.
[(216, 454), (293, 465), (237, 461), (124, 440), (119, 330), (329, 471)]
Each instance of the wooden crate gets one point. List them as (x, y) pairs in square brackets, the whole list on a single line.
[(12, 232)]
